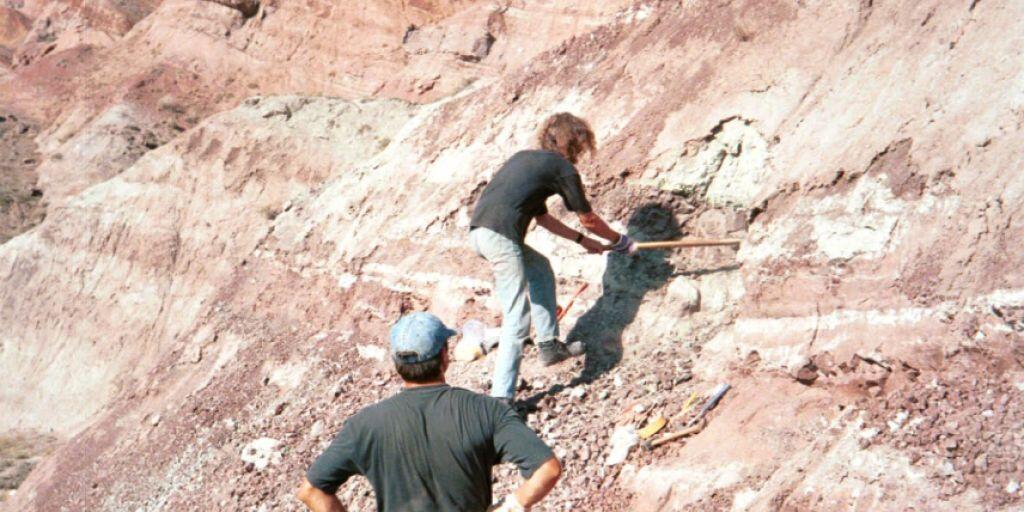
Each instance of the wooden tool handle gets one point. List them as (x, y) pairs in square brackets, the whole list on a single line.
[(688, 242), (667, 438), (686, 408), (560, 312)]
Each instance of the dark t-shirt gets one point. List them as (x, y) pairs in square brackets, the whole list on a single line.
[(519, 189), (429, 448)]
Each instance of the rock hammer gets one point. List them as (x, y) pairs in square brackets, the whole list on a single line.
[(696, 424)]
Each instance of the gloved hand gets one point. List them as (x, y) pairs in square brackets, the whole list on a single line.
[(624, 245), (509, 504)]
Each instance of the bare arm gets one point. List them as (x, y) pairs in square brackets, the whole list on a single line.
[(558, 228), (317, 500), (596, 225), (540, 484)]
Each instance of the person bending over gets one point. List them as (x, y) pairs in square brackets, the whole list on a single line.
[(524, 281)]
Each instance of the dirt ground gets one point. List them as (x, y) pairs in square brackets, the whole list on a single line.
[(20, 202), (19, 453)]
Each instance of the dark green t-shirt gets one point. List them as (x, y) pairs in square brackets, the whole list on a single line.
[(429, 449), (518, 191)]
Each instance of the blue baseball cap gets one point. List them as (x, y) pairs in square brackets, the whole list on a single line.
[(418, 337)]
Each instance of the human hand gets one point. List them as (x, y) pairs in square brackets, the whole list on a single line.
[(624, 245), (593, 246)]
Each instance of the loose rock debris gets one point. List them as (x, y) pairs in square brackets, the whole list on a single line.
[(966, 426)]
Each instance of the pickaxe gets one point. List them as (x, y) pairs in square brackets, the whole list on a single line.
[(688, 242)]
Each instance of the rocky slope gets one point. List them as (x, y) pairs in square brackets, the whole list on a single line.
[(218, 301)]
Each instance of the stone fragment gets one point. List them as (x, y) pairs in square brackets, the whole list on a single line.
[(898, 420), (467, 36), (279, 407), (248, 8), (803, 370), (622, 440), (170, 103), (468, 350), (806, 375), (683, 296), (262, 452), (946, 468), (981, 463), (371, 352)]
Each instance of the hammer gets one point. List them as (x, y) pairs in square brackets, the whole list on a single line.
[(668, 438), (712, 402), (696, 424)]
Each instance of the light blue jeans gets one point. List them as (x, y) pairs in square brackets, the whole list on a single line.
[(518, 269)]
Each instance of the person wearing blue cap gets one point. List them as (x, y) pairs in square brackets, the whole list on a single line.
[(523, 278), (431, 447)]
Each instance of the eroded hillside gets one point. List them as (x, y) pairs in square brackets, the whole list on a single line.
[(218, 301)]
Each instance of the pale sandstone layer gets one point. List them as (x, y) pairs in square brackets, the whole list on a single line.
[(233, 283)]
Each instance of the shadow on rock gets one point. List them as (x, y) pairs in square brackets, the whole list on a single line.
[(627, 279)]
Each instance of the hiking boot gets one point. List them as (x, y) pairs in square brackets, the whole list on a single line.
[(554, 351)]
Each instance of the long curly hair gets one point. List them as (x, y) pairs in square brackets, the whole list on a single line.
[(568, 135)]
